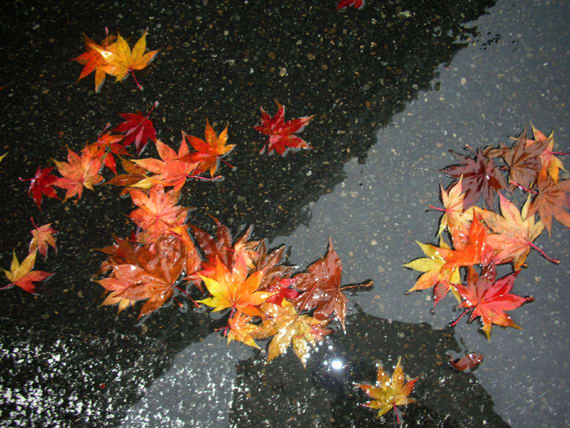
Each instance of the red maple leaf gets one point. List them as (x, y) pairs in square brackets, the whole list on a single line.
[(357, 4), (137, 128), (42, 184), (281, 133), (489, 298)]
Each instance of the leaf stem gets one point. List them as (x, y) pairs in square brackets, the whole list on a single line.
[(155, 105), (543, 254), (526, 189), (559, 153), (227, 163), (433, 207), (139, 86), (454, 323)]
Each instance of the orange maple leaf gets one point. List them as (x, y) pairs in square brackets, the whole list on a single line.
[(173, 169), (389, 392), (209, 152), (78, 172), (22, 274), (235, 289), (143, 273), (93, 61), (42, 236), (157, 212)]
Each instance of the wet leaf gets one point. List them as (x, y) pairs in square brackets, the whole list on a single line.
[(209, 152), (78, 172), (481, 178), (137, 128), (281, 133), (41, 185), (388, 393), (289, 328), (489, 298), (22, 274), (513, 234), (468, 362), (553, 200), (42, 237), (321, 286)]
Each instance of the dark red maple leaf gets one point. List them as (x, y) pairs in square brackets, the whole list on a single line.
[(42, 184), (357, 4), (322, 289), (137, 128), (281, 133), (481, 177), (468, 362), (523, 159)]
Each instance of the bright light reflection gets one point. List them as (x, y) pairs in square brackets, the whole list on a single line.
[(337, 364)]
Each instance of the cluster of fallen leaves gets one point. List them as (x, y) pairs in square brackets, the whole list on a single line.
[(484, 238), (264, 297), (166, 255)]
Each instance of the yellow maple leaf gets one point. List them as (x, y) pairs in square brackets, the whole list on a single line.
[(389, 393), (123, 61), (289, 328)]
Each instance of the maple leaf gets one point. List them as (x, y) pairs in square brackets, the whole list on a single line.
[(489, 298), (523, 160), (321, 286), (434, 274), (290, 328), (221, 247), (357, 4), (157, 212), (388, 392), (137, 128), (42, 184), (553, 200), (548, 159), (105, 147), (135, 177), (93, 61), (174, 167), (480, 178), (235, 289), (78, 172), (147, 272), (454, 219), (281, 133), (241, 329), (468, 362), (514, 232), (475, 251), (123, 61), (22, 275), (42, 236), (276, 276), (209, 152)]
